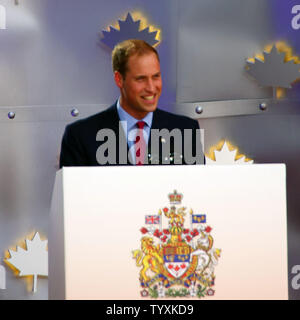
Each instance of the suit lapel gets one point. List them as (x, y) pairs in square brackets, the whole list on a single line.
[(116, 126)]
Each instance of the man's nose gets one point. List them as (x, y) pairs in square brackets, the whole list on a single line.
[(150, 86)]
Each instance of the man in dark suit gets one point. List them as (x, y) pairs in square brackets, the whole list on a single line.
[(133, 130)]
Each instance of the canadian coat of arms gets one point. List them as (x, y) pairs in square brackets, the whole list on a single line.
[(176, 261)]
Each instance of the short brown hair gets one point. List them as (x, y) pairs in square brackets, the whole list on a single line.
[(125, 49)]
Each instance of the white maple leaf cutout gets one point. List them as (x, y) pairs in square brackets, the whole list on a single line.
[(225, 156), (33, 261)]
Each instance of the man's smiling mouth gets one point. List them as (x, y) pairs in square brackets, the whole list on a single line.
[(149, 97)]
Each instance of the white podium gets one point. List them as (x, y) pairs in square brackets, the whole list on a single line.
[(237, 249)]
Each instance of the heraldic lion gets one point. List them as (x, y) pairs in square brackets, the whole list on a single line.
[(150, 257)]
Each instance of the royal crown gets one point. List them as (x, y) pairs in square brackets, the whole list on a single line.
[(175, 198)]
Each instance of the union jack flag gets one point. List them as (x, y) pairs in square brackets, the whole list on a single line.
[(152, 219), (198, 218)]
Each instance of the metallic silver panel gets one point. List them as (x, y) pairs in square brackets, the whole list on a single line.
[(27, 170), (51, 53), (213, 109), (28, 163), (56, 247), (49, 113), (214, 39)]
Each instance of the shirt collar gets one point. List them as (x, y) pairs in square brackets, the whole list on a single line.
[(131, 121)]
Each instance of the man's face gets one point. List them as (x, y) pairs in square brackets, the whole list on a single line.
[(141, 87)]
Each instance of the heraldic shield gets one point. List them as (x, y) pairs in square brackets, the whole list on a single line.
[(176, 261)]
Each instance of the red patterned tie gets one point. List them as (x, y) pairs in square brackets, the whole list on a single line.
[(140, 144)]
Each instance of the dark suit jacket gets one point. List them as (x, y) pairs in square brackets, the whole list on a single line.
[(79, 145)]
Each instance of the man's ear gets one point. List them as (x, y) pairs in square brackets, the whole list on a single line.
[(118, 79)]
